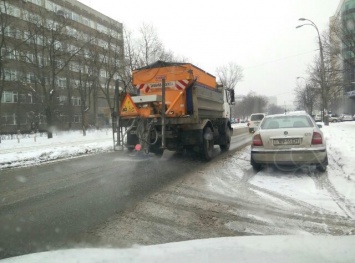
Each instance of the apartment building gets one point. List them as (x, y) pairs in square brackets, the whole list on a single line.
[(58, 65), (343, 23)]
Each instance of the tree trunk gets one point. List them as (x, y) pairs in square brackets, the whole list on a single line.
[(49, 122)]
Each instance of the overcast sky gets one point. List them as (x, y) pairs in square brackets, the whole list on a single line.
[(259, 35)]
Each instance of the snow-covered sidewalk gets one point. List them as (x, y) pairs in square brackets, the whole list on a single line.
[(33, 151)]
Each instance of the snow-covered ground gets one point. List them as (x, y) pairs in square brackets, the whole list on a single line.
[(35, 149), (333, 191)]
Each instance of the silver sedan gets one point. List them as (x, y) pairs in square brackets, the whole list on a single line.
[(289, 139)]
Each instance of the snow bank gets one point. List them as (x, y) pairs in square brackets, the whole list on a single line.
[(34, 149)]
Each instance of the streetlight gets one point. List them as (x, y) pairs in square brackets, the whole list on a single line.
[(324, 102)]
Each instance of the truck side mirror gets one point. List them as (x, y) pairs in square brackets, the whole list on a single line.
[(232, 96)]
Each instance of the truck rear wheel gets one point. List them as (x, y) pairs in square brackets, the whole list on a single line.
[(207, 144), (225, 147)]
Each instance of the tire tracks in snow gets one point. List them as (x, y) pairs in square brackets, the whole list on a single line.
[(249, 174), (322, 182)]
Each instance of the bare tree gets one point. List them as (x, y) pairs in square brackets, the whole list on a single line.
[(141, 51), (307, 97), (110, 60), (251, 103), (333, 86), (49, 50), (275, 109), (229, 75), (150, 47)]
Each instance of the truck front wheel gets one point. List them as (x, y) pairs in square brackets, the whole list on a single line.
[(207, 144)]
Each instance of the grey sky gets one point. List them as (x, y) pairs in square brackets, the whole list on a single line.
[(259, 35)]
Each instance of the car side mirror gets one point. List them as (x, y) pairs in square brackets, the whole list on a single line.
[(319, 126)]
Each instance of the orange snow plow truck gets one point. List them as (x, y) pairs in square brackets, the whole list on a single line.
[(178, 107)]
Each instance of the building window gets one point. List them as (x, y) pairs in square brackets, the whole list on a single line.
[(8, 119), (11, 74), (31, 78), (17, 34), (30, 58), (11, 10), (75, 83), (7, 31), (74, 67), (103, 73), (9, 97), (62, 100), (62, 82), (76, 101), (86, 21), (76, 119), (36, 2), (25, 98)]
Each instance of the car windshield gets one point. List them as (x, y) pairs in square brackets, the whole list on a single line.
[(282, 122), (256, 117), (169, 128)]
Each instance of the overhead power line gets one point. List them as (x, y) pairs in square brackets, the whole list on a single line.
[(279, 59)]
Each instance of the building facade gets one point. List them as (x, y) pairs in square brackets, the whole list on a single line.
[(342, 26), (59, 62)]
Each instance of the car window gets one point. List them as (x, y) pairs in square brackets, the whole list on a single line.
[(257, 117), (286, 122)]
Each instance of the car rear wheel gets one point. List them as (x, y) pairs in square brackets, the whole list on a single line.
[(322, 167), (256, 166)]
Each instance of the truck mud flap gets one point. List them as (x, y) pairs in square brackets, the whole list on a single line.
[(192, 137)]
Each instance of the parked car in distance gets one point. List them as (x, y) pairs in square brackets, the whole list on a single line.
[(334, 118), (317, 118), (346, 117), (291, 139), (254, 121)]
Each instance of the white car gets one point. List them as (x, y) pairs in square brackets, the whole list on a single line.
[(334, 118), (254, 121), (346, 117), (289, 139), (318, 118)]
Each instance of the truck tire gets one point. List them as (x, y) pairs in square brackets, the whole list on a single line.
[(225, 147), (207, 144)]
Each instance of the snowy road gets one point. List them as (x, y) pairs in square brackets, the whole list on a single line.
[(114, 199), (57, 204), (227, 198)]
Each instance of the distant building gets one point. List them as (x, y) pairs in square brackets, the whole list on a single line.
[(60, 61)]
